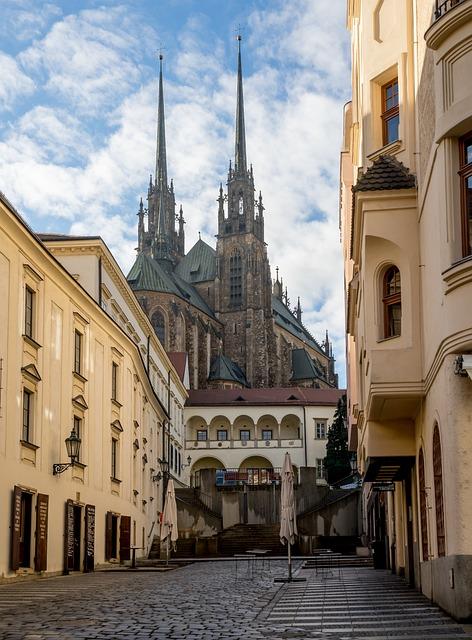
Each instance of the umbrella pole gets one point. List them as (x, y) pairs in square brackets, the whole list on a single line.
[(167, 542), (289, 561)]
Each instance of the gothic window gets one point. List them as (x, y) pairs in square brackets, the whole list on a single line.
[(235, 279), (159, 326), (438, 492), (423, 511), (392, 303), (241, 205)]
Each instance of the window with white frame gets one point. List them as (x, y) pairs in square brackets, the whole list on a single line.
[(320, 469), (320, 429)]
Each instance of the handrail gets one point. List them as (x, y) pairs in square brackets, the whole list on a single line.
[(443, 7), (152, 527)]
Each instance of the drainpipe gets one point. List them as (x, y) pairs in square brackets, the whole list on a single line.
[(148, 356), (304, 436)]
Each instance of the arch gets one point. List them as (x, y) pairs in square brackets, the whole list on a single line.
[(267, 423), (256, 462), (193, 425), (392, 303), (257, 470), (217, 424), (290, 427), (158, 322), (438, 492), (423, 507), (208, 462), (241, 426)]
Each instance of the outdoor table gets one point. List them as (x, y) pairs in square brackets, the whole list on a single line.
[(260, 554), (244, 556), (133, 556)]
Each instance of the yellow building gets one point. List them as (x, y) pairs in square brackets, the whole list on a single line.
[(406, 211), (73, 368)]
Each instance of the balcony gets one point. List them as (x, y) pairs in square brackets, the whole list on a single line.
[(252, 477), (443, 7), (284, 443)]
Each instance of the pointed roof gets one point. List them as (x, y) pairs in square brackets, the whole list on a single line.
[(240, 161), (222, 368), (148, 275), (199, 265), (304, 367), (284, 318), (161, 156), (385, 173)]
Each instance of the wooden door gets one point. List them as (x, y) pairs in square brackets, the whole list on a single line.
[(41, 547), (108, 534), (69, 537), (125, 538), (89, 539), (15, 529)]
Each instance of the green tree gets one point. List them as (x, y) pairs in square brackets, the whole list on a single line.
[(338, 458)]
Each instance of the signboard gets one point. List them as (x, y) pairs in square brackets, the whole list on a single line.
[(383, 486), (15, 529), (41, 551), (89, 559), (69, 538)]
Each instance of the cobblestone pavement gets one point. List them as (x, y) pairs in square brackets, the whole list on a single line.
[(205, 601)]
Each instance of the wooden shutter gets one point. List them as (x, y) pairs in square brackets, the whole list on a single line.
[(41, 546), (89, 559), (69, 537), (15, 529), (125, 537), (108, 534)]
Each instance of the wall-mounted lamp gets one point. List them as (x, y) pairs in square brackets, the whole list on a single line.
[(73, 443), (189, 462)]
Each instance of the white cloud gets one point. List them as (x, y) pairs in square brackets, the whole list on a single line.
[(14, 83)]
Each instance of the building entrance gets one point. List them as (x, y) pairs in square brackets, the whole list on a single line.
[(25, 530)]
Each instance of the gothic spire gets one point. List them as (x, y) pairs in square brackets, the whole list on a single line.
[(240, 161), (161, 159)]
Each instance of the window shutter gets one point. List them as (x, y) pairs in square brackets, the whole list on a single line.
[(423, 512), (125, 537), (69, 538), (41, 547), (15, 529), (89, 560), (108, 534)]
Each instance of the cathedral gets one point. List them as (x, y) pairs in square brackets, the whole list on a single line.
[(220, 305)]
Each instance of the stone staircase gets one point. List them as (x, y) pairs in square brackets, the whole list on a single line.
[(325, 559), (243, 537), (189, 497)]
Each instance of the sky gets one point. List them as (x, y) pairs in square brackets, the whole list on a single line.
[(78, 112)]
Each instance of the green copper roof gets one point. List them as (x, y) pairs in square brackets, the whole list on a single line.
[(222, 368), (148, 275), (285, 319), (199, 265), (304, 367)]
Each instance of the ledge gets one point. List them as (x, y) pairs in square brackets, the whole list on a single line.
[(32, 342), (116, 403), (458, 274), (79, 465), (446, 24), (79, 376), (388, 150), (115, 480), (29, 445)]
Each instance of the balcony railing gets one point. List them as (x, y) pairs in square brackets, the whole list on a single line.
[(443, 7), (254, 477)]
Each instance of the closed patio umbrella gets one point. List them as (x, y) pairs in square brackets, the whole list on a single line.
[(169, 530)]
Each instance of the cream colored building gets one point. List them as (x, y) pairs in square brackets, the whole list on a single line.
[(406, 212), (245, 432), (76, 352)]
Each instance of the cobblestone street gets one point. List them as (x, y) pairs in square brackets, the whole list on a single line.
[(204, 601)]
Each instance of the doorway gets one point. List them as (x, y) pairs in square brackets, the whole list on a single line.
[(25, 530), (77, 528), (114, 537)]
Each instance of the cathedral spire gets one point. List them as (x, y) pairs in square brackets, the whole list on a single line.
[(161, 159), (240, 161)]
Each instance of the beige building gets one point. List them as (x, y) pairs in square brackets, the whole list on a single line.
[(406, 211), (78, 360), (244, 433)]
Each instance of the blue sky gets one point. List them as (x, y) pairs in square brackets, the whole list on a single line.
[(78, 93)]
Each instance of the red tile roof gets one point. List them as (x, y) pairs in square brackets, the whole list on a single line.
[(179, 360), (271, 396)]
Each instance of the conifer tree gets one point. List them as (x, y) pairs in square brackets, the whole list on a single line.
[(337, 461)]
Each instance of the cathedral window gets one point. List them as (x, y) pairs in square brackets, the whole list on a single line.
[(241, 205), (235, 279), (159, 326)]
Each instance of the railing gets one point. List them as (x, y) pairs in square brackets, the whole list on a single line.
[(253, 477), (443, 7), (212, 503)]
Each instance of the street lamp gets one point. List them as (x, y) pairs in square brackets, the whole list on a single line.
[(73, 443), (189, 462), (353, 463)]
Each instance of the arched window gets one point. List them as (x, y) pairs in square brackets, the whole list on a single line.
[(159, 326), (392, 303), (235, 280), (438, 492), (423, 508)]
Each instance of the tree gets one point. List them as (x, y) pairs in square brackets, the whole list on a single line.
[(338, 458)]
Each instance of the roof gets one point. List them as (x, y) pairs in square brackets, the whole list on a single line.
[(148, 275), (385, 173), (179, 362), (270, 396), (304, 367), (222, 368), (199, 265), (284, 318), (60, 237)]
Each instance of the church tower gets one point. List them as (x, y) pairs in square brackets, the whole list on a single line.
[(243, 283), (160, 239)]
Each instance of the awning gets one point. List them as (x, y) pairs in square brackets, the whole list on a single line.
[(388, 468)]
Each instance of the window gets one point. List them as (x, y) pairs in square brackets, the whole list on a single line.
[(320, 429), (159, 326), (466, 193), (171, 456), (114, 381), (390, 112), (202, 434), (114, 458), (27, 415), (267, 434), (222, 434), (78, 351), (235, 279), (392, 303), (438, 492), (320, 468), (244, 435), (78, 431), (179, 468), (29, 312)]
